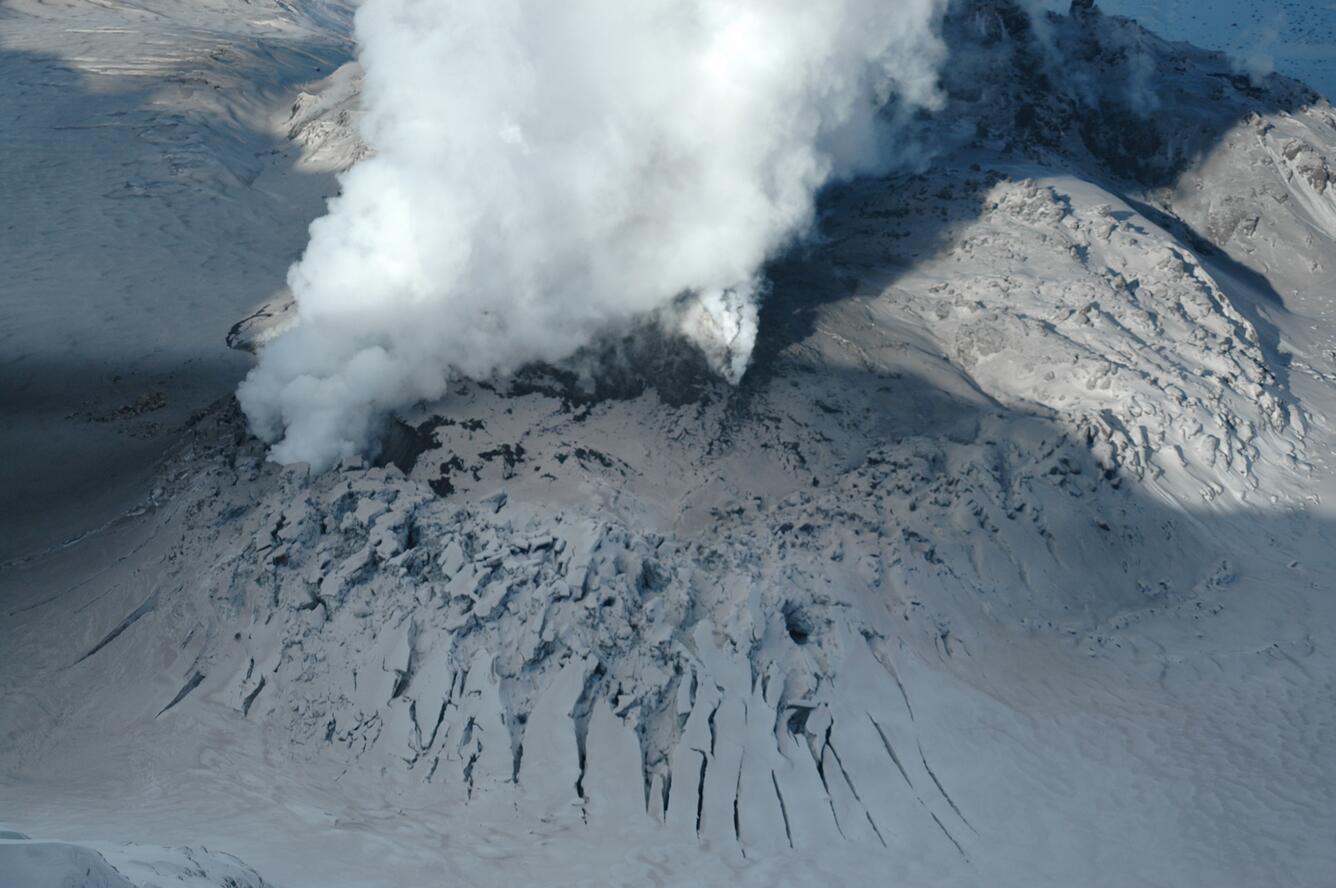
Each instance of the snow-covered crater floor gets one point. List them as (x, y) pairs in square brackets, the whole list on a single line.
[(1010, 562)]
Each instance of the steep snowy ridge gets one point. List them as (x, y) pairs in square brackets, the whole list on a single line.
[(1057, 298), (324, 120), (1010, 559), (27, 861)]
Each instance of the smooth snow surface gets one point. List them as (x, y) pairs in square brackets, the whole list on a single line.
[(148, 202), (1009, 562)]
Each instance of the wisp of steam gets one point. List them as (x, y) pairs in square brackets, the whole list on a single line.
[(544, 171)]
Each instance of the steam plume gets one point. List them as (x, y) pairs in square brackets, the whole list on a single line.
[(545, 170)]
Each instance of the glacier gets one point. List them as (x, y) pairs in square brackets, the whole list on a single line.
[(1009, 561)]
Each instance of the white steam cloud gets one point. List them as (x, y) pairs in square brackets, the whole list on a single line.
[(545, 170)]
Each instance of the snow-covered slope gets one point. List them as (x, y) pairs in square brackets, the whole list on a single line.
[(1293, 37), (1009, 562), (149, 198), (31, 863)]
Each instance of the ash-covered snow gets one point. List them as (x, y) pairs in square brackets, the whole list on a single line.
[(1009, 562)]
